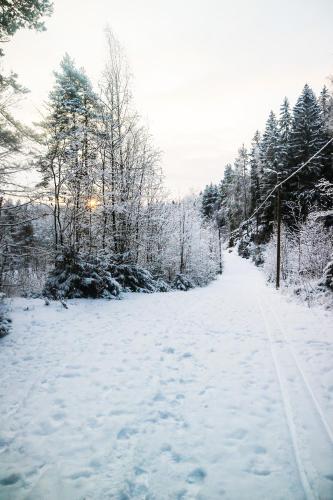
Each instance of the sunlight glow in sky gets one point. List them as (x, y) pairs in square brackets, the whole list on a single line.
[(205, 72)]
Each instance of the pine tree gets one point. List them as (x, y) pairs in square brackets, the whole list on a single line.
[(70, 159), (26, 14)]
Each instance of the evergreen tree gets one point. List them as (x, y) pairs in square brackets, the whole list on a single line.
[(285, 121), (242, 179), (255, 171), (325, 104), (22, 14), (230, 212), (210, 201), (271, 174), (307, 138), (70, 132)]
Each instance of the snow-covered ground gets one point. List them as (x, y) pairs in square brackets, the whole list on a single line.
[(220, 392)]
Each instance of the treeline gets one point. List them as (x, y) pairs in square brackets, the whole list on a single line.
[(99, 221), (288, 140)]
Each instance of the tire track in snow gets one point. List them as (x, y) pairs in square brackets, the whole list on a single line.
[(303, 376), (288, 413), (313, 449)]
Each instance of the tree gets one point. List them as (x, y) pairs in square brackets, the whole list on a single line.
[(230, 212), (242, 178), (13, 135), (255, 172), (13, 16), (307, 137), (129, 176), (325, 105), (11, 132), (270, 160), (68, 164), (210, 201), (192, 249), (22, 14), (284, 126)]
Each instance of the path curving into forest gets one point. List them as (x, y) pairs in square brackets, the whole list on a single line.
[(219, 392)]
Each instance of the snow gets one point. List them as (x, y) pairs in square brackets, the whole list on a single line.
[(219, 392)]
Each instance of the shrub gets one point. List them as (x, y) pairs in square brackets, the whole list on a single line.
[(133, 278), (76, 276), (5, 322), (258, 256), (327, 279), (181, 282), (243, 249)]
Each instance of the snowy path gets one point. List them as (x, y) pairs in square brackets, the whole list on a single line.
[(221, 392)]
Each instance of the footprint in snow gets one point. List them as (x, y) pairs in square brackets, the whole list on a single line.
[(134, 489), (60, 415), (126, 433), (169, 350), (257, 471), (196, 476), (138, 471), (69, 375), (80, 474), (159, 397), (11, 479), (187, 355)]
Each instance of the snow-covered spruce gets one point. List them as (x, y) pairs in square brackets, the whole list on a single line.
[(133, 278), (183, 283), (5, 321), (243, 248), (78, 276), (327, 279)]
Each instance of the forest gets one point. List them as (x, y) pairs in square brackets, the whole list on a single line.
[(244, 208), (156, 345), (100, 221)]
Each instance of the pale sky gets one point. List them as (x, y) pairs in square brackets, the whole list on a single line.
[(206, 73)]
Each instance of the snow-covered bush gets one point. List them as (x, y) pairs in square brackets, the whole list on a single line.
[(306, 250), (182, 282), (133, 278), (327, 279), (5, 322), (76, 276), (244, 248), (162, 286), (258, 255)]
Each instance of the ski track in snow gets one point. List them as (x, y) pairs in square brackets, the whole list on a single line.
[(220, 392)]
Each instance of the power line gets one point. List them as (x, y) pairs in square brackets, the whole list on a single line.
[(279, 184)]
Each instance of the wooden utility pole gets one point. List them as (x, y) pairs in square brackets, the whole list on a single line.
[(278, 240), (220, 250)]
